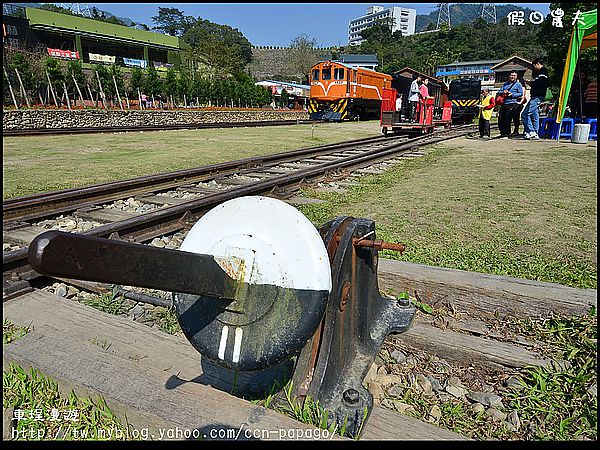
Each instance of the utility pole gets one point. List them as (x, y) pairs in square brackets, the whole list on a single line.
[(443, 15), (488, 12)]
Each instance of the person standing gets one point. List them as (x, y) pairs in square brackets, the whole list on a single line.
[(512, 91), (516, 118), (539, 85), (413, 98), (423, 94), (486, 107)]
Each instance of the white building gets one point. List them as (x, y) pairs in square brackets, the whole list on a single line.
[(404, 20)]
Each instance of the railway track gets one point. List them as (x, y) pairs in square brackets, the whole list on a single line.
[(276, 175), (177, 199), (195, 126)]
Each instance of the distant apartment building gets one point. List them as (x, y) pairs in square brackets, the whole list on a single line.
[(404, 20)]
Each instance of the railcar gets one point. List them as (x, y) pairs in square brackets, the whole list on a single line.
[(339, 91), (435, 111), (464, 95)]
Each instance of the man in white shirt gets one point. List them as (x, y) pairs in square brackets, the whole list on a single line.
[(413, 98)]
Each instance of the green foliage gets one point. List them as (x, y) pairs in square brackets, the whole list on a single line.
[(556, 42), (115, 71), (218, 46), (170, 82), (166, 319), (184, 85), (152, 83), (32, 392), (75, 70), (109, 303), (20, 62), (12, 332), (102, 72), (172, 21), (465, 42), (136, 81), (559, 400), (54, 69)]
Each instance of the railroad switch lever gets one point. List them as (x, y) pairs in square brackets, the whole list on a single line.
[(257, 286), (69, 255)]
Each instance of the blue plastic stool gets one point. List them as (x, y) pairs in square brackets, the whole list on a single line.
[(548, 128), (593, 126), (566, 128)]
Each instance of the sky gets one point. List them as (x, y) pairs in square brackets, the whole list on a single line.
[(276, 24)]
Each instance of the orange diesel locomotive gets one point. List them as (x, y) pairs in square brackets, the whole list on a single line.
[(339, 91)]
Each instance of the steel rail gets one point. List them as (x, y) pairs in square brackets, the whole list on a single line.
[(39, 205), (173, 218)]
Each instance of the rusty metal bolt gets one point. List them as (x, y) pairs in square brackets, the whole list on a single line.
[(379, 244), (351, 397)]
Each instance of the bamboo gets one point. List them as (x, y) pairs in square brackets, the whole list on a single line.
[(127, 100), (118, 95), (78, 90), (51, 89), (184, 101), (22, 88), (12, 94), (67, 95), (91, 95), (101, 91), (140, 98)]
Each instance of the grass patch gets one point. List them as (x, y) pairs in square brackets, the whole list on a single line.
[(307, 411), (558, 402), (501, 211), (12, 332), (166, 319), (81, 160), (45, 415), (108, 302)]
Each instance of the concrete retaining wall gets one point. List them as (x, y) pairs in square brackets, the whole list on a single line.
[(29, 119)]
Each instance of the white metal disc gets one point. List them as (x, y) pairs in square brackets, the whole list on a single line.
[(278, 245)]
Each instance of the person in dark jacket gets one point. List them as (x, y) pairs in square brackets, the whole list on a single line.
[(512, 91), (531, 115)]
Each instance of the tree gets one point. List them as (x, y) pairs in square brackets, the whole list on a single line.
[(302, 56), (136, 82), (556, 42), (20, 62), (219, 46), (54, 69), (75, 70), (170, 83), (153, 83), (184, 85), (172, 21), (115, 71)]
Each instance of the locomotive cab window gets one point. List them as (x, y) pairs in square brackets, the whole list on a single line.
[(326, 73), (354, 76), (338, 74), (315, 74)]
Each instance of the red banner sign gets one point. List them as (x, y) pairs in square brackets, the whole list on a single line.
[(63, 53)]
